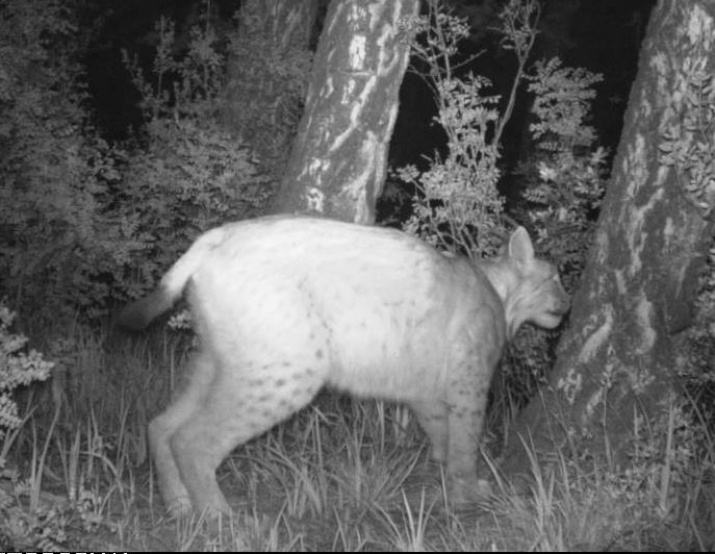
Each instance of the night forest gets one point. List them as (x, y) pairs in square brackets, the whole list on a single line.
[(455, 127)]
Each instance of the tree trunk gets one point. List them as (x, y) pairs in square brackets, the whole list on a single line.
[(267, 75), (616, 361), (339, 159)]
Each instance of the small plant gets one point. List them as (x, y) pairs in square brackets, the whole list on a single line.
[(565, 180), (194, 174), (458, 207), (17, 368)]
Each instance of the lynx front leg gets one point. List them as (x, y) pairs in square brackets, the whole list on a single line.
[(467, 401), (433, 417)]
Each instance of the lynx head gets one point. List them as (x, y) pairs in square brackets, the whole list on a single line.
[(530, 288)]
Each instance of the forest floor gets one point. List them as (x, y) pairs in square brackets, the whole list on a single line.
[(341, 475)]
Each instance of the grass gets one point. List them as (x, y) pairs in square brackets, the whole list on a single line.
[(341, 475)]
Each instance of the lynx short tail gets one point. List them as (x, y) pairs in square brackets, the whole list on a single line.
[(139, 314)]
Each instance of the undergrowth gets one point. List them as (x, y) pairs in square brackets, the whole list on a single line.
[(342, 474)]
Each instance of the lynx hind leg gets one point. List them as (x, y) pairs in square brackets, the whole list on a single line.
[(243, 400), (162, 428)]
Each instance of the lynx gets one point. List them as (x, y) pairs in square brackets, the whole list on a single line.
[(285, 305)]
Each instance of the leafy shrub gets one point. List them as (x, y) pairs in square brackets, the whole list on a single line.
[(565, 178), (458, 206), (85, 224), (17, 368), (52, 173), (193, 174)]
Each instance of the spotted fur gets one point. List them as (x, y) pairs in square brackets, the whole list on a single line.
[(286, 305)]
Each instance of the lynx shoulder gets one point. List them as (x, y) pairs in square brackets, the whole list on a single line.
[(287, 305)]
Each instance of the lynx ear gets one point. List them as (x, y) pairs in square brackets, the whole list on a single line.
[(520, 247)]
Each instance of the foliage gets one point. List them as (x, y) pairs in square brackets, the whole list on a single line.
[(267, 80), (17, 368), (52, 174), (562, 102), (183, 86), (194, 174), (565, 180), (689, 144), (458, 206), (58, 238), (80, 218)]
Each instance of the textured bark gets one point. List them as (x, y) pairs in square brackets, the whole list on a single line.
[(339, 158), (267, 75), (617, 361)]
